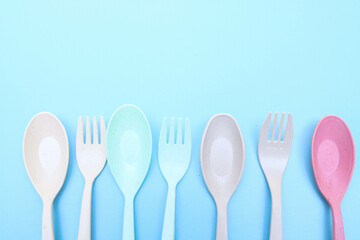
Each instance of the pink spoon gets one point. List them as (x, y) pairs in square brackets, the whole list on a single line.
[(333, 160)]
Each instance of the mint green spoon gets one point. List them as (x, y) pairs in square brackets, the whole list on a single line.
[(128, 147)]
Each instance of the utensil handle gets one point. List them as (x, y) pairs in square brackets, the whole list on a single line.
[(221, 225), (276, 214), (168, 231), (85, 214), (128, 225), (338, 226), (47, 221)]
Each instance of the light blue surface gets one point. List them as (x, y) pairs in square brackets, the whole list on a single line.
[(184, 59)]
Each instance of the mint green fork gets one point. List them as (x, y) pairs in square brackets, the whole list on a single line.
[(174, 159)]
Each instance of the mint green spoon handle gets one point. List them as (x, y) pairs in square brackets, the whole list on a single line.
[(128, 225), (168, 232)]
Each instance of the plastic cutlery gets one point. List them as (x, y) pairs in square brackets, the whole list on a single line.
[(174, 159), (128, 146), (273, 156), (46, 157), (222, 162), (333, 160), (91, 158)]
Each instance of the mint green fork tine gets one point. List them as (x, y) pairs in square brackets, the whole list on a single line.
[(172, 131), (179, 132), (187, 140)]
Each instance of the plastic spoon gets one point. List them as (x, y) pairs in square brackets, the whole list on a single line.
[(222, 162), (333, 160), (46, 157), (128, 147)]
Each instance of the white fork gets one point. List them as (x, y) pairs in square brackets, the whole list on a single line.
[(273, 156), (91, 158)]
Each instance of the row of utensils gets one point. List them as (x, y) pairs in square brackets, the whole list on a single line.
[(127, 146)]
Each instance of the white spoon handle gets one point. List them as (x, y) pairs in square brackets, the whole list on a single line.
[(47, 221), (221, 226), (168, 231), (276, 218), (128, 225), (85, 215)]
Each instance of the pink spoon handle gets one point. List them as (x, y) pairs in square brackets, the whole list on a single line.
[(338, 227)]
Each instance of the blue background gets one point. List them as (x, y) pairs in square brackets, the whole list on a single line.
[(184, 59)]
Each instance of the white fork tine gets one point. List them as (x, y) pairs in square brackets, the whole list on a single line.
[(103, 131), (274, 127), (179, 132), (172, 131), (80, 132), (88, 132), (289, 131), (95, 132), (264, 132), (281, 126), (187, 138), (163, 131)]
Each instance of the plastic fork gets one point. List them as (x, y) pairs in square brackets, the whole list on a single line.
[(174, 159), (273, 156), (91, 158)]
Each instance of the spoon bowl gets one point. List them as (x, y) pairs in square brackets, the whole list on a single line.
[(128, 147), (222, 163), (333, 160), (46, 158)]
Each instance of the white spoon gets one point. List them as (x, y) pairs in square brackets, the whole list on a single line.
[(222, 162), (46, 157)]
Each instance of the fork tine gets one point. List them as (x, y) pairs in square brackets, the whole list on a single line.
[(264, 132), (95, 132), (103, 130), (179, 132), (88, 132), (274, 127), (163, 131), (187, 137), (80, 132), (172, 131), (281, 126), (289, 131)]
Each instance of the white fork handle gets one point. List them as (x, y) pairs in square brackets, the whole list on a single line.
[(276, 214), (47, 221), (168, 231), (221, 225), (85, 215)]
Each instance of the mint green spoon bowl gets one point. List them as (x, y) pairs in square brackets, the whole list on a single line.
[(128, 147)]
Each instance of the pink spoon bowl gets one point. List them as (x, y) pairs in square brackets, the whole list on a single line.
[(333, 161)]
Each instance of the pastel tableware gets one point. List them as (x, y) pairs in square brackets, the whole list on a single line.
[(174, 159), (274, 155), (333, 160), (91, 159), (222, 159), (128, 147), (46, 157)]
